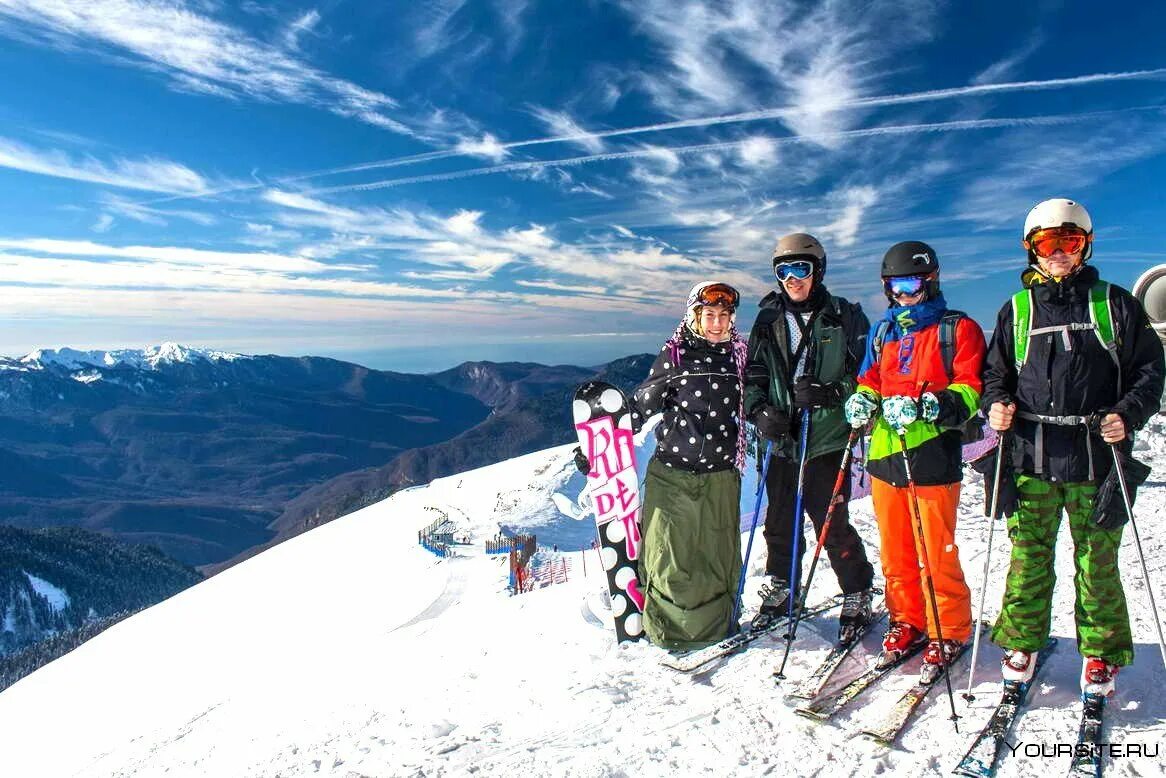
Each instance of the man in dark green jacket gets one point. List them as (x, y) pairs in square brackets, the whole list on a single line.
[(804, 352)]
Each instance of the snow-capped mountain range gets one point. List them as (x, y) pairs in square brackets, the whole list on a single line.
[(198, 451), (352, 651), (149, 358)]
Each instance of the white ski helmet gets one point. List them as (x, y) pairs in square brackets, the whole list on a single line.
[(1058, 212), (724, 294)]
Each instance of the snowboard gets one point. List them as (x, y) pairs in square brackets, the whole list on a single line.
[(603, 423)]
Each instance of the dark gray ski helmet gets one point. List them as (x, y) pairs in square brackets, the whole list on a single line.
[(800, 245)]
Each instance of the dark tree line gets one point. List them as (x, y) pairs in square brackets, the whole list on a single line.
[(99, 575)]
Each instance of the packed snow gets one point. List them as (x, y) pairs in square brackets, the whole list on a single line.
[(352, 651), (56, 597)]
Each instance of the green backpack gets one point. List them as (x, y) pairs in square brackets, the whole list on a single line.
[(1100, 322)]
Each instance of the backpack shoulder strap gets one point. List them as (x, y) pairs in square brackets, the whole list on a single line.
[(1101, 316), (880, 337), (1021, 323), (947, 325)]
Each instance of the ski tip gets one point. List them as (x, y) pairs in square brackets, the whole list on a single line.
[(879, 738), (810, 713), (973, 769)]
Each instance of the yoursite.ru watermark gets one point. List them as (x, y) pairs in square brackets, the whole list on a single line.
[(1074, 750)]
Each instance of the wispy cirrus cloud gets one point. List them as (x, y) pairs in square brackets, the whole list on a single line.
[(302, 25), (1004, 68), (561, 124), (510, 15), (826, 56), (557, 287), (148, 174), (115, 205), (667, 155), (195, 52), (460, 247), (1019, 177), (489, 146), (758, 152), (844, 229), (435, 30), (486, 146), (171, 255)]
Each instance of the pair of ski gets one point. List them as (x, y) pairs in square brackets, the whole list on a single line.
[(823, 706), (989, 747), (695, 660)]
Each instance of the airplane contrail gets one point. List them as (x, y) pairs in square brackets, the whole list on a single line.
[(766, 114), (894, 129)]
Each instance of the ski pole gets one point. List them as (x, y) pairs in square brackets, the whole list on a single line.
[(987, 559), (798, 500), (752, 532), (1125, 495), (835, 494), (927, 567)]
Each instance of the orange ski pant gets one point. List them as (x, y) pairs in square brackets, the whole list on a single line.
[(907, 597)]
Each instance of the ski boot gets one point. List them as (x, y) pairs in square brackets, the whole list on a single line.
[(775, 594), (1097, 676), (901, 640), (855, 617), (937, 656), (1018, 666)]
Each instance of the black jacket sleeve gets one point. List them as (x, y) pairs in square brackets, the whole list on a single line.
[(1000, 362), (757, 372), (651, 396), (1140, 356)]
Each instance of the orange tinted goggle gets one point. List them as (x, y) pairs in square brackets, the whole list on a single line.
[(719, 294), (1044, 243)]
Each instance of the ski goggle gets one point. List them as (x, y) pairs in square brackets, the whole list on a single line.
[(905, 286), (719, 294), (1045, 243), (801, 269)]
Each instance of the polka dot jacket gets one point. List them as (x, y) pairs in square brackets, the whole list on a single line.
[(699, 397)]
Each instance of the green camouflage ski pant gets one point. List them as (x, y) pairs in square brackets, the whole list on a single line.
[(1103, 625)]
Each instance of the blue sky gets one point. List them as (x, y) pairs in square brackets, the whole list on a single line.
[(410, 185)]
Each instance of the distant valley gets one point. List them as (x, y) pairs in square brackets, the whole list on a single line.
[(211, 456), (199, 452), (121, 472)]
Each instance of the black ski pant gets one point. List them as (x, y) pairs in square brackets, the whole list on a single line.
[(844, 547)]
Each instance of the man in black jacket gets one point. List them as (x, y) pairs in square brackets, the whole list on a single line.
[(1073, 367), (804, 353)]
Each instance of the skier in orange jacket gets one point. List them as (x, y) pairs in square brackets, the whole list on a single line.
[(922, 367)]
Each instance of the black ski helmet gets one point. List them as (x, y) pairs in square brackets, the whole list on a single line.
[(912, 258)]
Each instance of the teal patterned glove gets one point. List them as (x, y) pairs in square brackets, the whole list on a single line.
[(859, 409), (900, 412)]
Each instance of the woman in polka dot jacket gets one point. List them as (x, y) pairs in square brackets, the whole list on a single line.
[(692, 491)]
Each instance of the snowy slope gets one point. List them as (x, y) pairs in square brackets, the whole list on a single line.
[(350, 651)]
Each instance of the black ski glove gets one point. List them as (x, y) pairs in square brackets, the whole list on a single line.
[(581, 461), (811, 393), (1109, 509), (1009, 498), (772, 424)]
